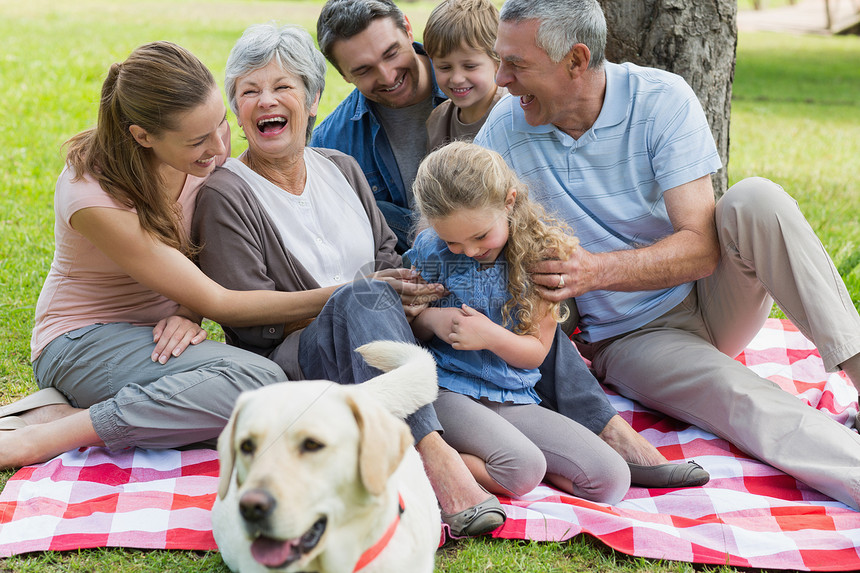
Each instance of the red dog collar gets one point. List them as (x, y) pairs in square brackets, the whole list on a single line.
[(373, 552)]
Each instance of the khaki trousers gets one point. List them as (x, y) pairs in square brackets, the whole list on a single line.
[(683, 363)]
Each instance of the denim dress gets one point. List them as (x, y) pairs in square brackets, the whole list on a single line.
[(475, 373)]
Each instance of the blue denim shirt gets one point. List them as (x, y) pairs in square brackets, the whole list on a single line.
[(475, 373), (354, 129)]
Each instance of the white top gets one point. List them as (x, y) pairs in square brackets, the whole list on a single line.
[(325, 228)]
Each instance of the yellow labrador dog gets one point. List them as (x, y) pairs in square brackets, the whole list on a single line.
[(317, 476)]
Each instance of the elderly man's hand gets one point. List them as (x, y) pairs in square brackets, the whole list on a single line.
[(557, 280)]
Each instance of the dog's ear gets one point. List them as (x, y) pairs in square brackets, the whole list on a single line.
[(382, 444), (225, 449)]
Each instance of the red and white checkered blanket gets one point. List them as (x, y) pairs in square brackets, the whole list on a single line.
[(749, 515)]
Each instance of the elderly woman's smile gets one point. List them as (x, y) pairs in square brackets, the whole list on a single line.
[(271, 125), (273, 110)]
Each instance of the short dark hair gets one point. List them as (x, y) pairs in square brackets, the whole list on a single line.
[(343, 19)]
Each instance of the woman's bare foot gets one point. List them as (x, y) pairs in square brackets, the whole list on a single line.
[(648, 467), (39, 442)]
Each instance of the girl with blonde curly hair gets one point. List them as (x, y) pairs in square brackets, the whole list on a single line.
[(493, 330)]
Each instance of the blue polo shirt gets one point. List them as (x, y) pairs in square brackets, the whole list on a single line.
[(651, 136)]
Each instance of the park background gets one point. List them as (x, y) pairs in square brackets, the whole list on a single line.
[(795, 119)]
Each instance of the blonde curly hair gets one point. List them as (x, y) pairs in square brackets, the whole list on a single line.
[(466, 176)]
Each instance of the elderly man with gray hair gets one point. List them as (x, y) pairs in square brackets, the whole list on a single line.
[(381, 123), (670, 286)]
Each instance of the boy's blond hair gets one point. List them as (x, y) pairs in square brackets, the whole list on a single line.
[(462, 176), (456, 23)]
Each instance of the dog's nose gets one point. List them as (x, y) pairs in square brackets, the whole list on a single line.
[(256, 505)]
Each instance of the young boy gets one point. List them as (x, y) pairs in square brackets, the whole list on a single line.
[(459, 39)]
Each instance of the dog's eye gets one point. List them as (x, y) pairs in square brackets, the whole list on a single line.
[(311, 445), (247, 446)]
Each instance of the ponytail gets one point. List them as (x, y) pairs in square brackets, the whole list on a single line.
[(155, 85)]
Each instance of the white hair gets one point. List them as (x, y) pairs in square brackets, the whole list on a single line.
[(563, 24)]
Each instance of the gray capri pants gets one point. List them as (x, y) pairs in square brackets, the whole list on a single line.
[(134, 401), (523, 443)]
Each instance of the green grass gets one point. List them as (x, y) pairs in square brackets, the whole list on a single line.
[(799, 125), (765, 4), (796, 119)]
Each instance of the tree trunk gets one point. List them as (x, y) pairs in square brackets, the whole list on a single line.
[(696, 40)]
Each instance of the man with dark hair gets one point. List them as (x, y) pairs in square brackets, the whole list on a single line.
[(382, 122)]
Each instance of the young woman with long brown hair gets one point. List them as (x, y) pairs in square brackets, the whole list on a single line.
[(117, 346)]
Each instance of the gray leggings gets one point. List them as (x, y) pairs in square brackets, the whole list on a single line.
[(522, 443), (134, 401)]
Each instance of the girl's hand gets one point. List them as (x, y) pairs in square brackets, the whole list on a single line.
[(413, 310), (172, 335), (435, 321), (471, 330)]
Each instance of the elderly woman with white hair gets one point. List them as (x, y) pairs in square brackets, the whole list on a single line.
[(286, 217)]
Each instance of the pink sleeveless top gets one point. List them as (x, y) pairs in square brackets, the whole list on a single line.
[(84, 286)]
